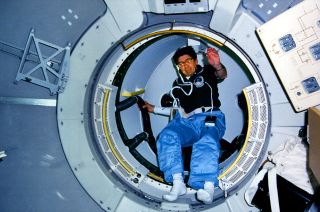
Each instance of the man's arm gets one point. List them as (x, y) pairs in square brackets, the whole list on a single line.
[(166, 111), (214, 60)]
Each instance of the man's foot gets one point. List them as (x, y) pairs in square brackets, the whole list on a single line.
[(206, 194), (178, 189)]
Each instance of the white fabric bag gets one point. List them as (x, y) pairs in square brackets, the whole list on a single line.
[(290, 162)]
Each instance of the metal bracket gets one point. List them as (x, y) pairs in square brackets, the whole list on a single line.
[(225, 185), (51, 72)]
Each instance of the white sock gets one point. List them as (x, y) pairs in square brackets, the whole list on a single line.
[(206, 194), (177, 176), (178, 188)]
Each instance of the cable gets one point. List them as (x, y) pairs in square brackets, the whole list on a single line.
[(210, 97), (176, 100)]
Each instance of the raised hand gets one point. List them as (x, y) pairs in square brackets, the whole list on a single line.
[(213, 58)]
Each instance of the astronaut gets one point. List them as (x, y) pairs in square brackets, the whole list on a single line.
[(198, 123)]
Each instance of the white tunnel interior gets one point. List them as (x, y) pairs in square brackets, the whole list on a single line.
[(157, 76)]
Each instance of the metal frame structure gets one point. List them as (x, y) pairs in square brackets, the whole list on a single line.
[(50, 72)]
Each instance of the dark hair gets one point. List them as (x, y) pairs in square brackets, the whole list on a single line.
[(183, 51)]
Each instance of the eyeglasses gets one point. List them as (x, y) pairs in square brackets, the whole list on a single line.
[(187, 61)]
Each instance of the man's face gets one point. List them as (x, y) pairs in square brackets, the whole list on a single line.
[(187, 65)]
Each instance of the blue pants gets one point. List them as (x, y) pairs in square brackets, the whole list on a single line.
[(205, 142)]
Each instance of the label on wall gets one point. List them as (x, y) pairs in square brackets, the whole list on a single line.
[(292, 42)]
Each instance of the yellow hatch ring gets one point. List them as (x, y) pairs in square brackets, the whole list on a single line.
[(110, 142)]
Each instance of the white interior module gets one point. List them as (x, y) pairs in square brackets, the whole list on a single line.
[(87, 146)]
